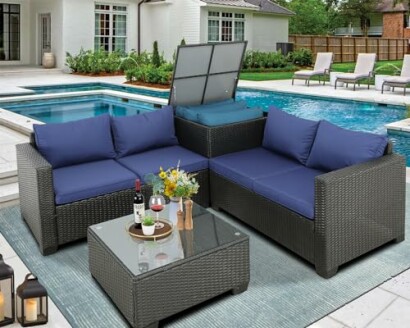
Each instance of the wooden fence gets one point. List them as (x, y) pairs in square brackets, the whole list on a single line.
[(345, 49)]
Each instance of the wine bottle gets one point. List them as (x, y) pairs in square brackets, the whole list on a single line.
[(139, 204)]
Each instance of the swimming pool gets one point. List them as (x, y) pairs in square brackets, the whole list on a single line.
[(74, 108), (359, 116)]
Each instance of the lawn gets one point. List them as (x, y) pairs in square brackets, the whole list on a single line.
[(382, 67)]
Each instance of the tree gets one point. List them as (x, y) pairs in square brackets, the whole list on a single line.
[(361, 9), (311, 17), (156, 60)]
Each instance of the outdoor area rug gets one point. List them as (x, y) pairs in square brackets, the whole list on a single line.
[(284, 290)]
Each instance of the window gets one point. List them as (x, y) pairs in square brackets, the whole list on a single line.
[(110, 27), (9, 32), (225, 27)]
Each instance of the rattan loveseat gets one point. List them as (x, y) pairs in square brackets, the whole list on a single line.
[(356, 209), (55, 224)]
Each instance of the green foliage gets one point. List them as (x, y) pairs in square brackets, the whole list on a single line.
[(133, 59), (311, 17), (148, 221), (183, 43), (301, 57), (156, 59), (150, 74), (94, 62), (258, 59)]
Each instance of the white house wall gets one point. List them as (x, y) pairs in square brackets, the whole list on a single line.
[(168, 23), (268, 30), (79, 19), (55, 9)]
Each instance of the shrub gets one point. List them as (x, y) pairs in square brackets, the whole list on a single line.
[(156, 59), (94, 62), (301, 57), (133, 59), (257, 59), (150, 74)]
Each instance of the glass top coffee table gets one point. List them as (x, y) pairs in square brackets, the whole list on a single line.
[(152, 280)]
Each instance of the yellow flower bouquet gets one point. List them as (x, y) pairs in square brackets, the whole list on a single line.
[(173, 182)]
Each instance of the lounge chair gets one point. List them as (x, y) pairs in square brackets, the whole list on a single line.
[(399, 81), (322, 68), (363, 70)]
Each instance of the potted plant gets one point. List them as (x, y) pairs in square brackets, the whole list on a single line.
[(148, 225)]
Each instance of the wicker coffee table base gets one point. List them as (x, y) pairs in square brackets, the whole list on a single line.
[(147, 298)]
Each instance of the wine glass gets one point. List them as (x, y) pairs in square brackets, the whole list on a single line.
[(157, 204)]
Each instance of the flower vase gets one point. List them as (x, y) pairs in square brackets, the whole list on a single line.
[(189, 225), (174, 207)]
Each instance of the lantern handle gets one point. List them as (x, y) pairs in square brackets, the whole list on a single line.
[(30, 274)]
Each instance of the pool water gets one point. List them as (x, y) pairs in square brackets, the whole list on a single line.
[(75, 108), (359, 116)]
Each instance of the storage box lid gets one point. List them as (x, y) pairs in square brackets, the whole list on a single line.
[(206, 73)]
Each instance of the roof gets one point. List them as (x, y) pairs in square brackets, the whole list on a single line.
[(270, 7), (233, 3), (265, 6), (387, 6)]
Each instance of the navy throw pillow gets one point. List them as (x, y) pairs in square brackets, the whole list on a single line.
[(76, 142), (289, 135), (335, 148), (137, 133)]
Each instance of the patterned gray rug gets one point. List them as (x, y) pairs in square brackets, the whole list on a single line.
[(284, 290)]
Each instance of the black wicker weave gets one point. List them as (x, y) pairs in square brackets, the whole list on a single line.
[(216, 141), (216, 262), (357, 209), (53, 225)]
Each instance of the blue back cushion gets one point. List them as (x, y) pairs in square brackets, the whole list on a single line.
[(335, 148), (229, 117), (289, 135), (75, 142), (135, 134)]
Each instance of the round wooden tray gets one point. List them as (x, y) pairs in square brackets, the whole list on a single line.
[(158, 234)]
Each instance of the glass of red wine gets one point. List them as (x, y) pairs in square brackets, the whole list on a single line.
[(157, 204)]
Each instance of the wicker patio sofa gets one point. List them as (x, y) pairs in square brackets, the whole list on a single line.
[(356, 208), (55, 224)]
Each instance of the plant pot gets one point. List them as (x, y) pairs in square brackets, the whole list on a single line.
[(148, 230), (48, 60)]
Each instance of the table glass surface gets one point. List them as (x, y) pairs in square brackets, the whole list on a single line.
[(141, 256)]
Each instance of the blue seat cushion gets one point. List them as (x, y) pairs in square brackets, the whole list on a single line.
[(335, 148), (229, 117), (294, 190), (191, 112), (181, 110), (137, 133), (83, 181), (245, 166), (150, 161), (289, 135), (70, 143)]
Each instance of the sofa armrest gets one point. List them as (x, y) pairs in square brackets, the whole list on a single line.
[(37, 196), (220, 140), (357, 209)]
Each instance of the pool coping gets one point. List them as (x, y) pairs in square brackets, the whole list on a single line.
[(24, 124)]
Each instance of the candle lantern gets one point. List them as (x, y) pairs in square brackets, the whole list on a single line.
[(32, 302), (6, 294)]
